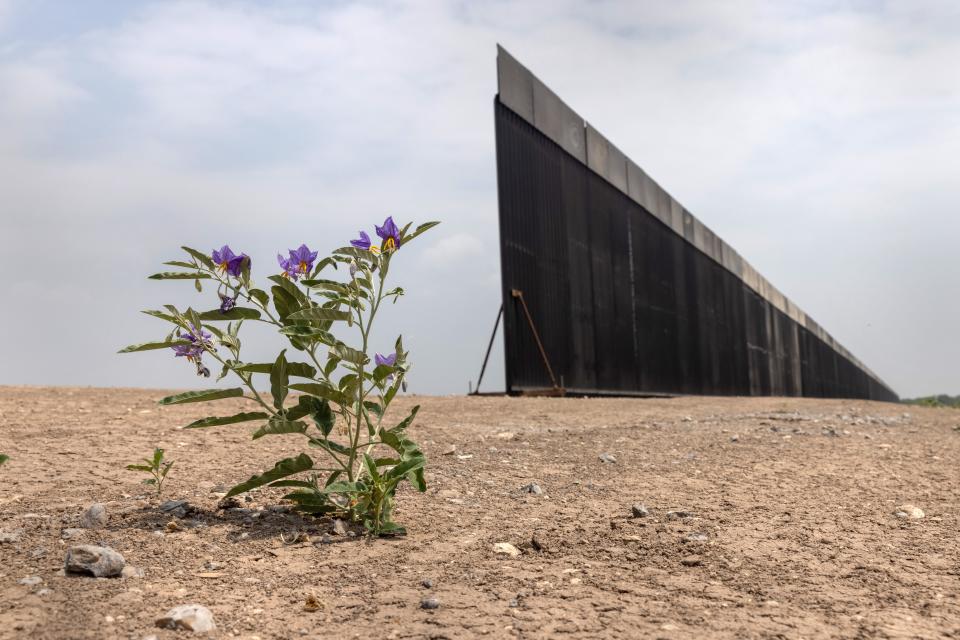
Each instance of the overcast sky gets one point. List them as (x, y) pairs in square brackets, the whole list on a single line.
[(821, 141)]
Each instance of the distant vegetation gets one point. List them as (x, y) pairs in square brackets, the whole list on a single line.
[(941, 400)]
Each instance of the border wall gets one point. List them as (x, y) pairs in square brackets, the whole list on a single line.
[(629, 292)]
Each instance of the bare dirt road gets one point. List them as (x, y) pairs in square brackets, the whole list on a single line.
[(783, 523)]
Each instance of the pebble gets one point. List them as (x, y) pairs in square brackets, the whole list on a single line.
[(679, 514), (506, 549), (909, 512), (44, 592), (696, 536), (426, 584), (95, 517), (189, 617), (176, 508), (734, 438), (31, 581), (99, 562), (514, 603), (71, 533), (639, 511), (339, 528), (506, 435), (691, 561), (131, 572), (430, 603), (9, 537), (533, 488), (608, 458)]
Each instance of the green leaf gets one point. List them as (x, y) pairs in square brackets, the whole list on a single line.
[(406, 467), (161, 315), (417, 480), (406, 421), (202, 258), (279, 379), (300, 369), (202, 396), (237, 313), (180, 263), (323, 391), (304, 484), (139, 467), (147, 346), (382, 372), (344, 487), (310, 501), (426, 226), (261, 296), (324, 417), (280, 425), (319, 314), (216, 422), (349, 354), (289, 286), (283, 302), (179, 275), (371, 467), (284, 468), (307, 332), (359, 254)]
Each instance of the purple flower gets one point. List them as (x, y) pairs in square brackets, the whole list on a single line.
[(388, 361), (363, 242), (228, 261), (390, 235), (198, 339), (227, 303), (299, 263)]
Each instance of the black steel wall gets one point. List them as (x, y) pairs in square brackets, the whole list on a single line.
[(624, 304)]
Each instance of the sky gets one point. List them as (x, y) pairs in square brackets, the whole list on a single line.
[(820, 139)]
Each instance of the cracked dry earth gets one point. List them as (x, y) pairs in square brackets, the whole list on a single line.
[(786, 526)]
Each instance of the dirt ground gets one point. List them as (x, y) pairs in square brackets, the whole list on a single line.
[(790, 529)]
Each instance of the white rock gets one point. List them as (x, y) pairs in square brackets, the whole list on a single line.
[(100, 562), (31, 581), (189, 617), (506, 549), (94, 517), (909, 512), (131, 572), (9, 537)]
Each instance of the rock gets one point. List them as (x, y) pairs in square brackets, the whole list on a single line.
[(99, 562), (691, 561), (44, 592), (536, 544), (10, 537), (339, 528), (31, 581), (734, 438), (189, 617), (312, 603), (678, 514), (514, 603), (426, 584), (449, 451), (696, 536), (71, 533), (506, 435), (131, 572), (506, 549), (430, 603), (176, 508), (533, 488), (94, 517), (608, 458), (639, 511), (909, 512)]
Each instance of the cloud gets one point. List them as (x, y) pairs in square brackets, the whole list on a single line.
[(817, 139)]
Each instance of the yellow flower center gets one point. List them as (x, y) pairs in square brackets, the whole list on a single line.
[(389, 244)]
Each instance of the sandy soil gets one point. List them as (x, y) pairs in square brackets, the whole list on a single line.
[(794, 500)]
